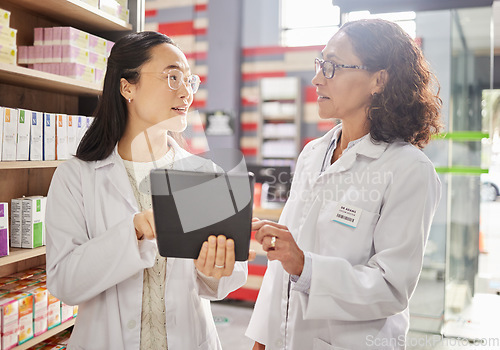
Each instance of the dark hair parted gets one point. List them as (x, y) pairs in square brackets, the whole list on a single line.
[(127, 56), (409, 106)]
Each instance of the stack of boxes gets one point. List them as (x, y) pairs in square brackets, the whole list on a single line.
[(27, 309), (67, 51), (31, 135), (8, 50), (116, 8)]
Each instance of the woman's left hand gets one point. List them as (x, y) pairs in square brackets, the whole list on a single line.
[(216, 258), (280, 245)]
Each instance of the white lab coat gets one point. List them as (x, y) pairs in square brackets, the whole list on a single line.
[(363, 277), (95, 261)]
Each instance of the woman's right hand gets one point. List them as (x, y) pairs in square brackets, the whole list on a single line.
[(144, 224), (259, 346)]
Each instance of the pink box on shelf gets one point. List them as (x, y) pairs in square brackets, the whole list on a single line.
[(97, 44), (78, 71), (109, 46), (98, 61), (38, 40), (56, 53), (74, 54), (57, 35), (22, 55), (74, 37), (48, 36), (31, 55), (47, 54), (38, 54)]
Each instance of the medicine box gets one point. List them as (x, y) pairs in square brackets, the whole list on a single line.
[(66, 312), (8, 54), (40, 304), (16, 218), (9, 144), (4, 229), (9, 322), (49, 136), (97, 45), (74, 54), (62, 136), (23, 55), (33, 220), (38, 36), (25, 309), (36, 136), (94, 3), (23, 134), (81, 123), (7, 35), (53, 311), (72, 130), (78, 71), (74, 37), (4, 17), (98, 61)]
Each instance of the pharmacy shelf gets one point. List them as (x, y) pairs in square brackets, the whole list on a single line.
[(26, 77), (20, 254), (77, 13), (30, 164), (46, 335)]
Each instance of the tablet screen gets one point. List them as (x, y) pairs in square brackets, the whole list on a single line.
[(190, 206)]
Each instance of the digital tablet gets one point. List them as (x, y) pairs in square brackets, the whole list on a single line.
[(190, 206)]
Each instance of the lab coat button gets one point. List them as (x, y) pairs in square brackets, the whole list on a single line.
[(131, 324)]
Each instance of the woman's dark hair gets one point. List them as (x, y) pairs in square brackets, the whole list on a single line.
[(409, 106), (127, 56)]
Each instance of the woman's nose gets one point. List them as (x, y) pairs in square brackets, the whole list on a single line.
[(318, 78)]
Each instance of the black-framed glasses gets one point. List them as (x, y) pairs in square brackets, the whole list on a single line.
[(328, 67), (175, 78)]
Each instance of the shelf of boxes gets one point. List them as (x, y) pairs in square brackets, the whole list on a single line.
[(77, 13), (21, 76), (46, 335)]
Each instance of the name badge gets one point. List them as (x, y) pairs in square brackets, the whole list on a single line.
[(347, 214)]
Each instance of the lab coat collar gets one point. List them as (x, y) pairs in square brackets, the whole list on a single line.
[(366, 147)]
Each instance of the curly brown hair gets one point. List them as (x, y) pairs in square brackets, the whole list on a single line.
[(409, 106)]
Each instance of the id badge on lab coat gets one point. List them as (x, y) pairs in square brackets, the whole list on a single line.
[(347, 214)]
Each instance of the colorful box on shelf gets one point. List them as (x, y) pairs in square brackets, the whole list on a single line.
[(4, 17), (78, 71), (8, 54), (33, 221), (7, 35), (74, 37), (36, 138), (62, 136), (49, 136), (23, 134), (40, 304), (74, 54), (94, 3), (97, 45), (25, 320), (98, 61), (9, 145), (53, 312), (71, 132), (9, 321), (38, 34), (116, 8), (4, 228)]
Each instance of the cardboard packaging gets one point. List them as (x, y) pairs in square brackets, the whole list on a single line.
[(36, 142), (7, 35), (23, 135), (9, 322), (9, 144), (49, 136), (40, 304), (62, 137), (33, 218), (74, 37), (72, 130), (4, 229), (16, 218), (25, 320), (4, 17)]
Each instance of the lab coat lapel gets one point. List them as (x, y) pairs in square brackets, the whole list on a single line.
[(117, 176), (313, 161)]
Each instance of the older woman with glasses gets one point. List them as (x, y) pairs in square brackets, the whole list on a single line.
[(101, 248), (347, 253)]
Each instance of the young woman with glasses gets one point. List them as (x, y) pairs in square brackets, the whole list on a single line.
[(101, 248), (347, 253)]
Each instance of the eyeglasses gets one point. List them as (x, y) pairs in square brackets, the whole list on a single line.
[(175, 78), (329, 67)]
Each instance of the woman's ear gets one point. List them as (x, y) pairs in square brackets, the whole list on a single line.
[(127, 89), (381, 78)]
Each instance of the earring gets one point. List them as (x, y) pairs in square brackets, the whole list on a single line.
[(129, 100)]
